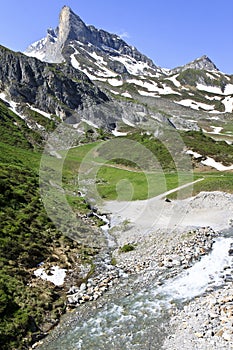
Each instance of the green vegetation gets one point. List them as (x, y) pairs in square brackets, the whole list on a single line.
[(29, 306), (212, 181), (123, 179), (28, 237), (46, 123), (123, 185), (127, 248), (206, 146), (193, 76), (14, 130)]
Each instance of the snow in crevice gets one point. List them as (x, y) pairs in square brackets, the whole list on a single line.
[(135, 67), (152, 86), (127, 122), (115, 82), (216, 129), (126, 94), (90, 123), (114, 92), (98, 74)]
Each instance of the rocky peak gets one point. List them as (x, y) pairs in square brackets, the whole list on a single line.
[(202, 63), (72, 31), (71, 27)]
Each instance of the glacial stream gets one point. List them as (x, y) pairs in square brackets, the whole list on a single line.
[(129, 318)]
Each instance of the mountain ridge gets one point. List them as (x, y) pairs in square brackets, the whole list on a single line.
[(127, 81), (72, 27)]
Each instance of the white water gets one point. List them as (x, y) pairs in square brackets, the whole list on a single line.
[(105, 228), (139, 320), (195, 280)]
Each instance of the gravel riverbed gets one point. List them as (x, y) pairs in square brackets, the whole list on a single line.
[(205, 322)]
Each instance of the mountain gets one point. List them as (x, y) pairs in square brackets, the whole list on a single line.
[(197, 91), (81, 74), (73, 37)]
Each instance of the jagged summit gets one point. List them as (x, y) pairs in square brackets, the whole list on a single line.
[(204, 62), (122, 72), (71, 27), (73, 32)]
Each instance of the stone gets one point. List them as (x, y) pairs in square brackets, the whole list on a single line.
[(199, 335), (82, 287), (227, 336)]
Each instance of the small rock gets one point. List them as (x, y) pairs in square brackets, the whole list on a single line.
[(227, 336), (199, 335), (83, 287)]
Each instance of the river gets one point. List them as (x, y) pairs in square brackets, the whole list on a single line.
[(136, 315)]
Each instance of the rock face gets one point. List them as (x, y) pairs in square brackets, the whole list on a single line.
[(56, 89)]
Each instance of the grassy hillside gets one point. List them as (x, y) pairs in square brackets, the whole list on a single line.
[(29, 307), (122, 179)]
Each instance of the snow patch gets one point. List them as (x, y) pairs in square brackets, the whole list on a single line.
[(151, 86), (127, 122), (97, 58), (90, 123), (115, 82), (216, 129), (194, 154), (219, 166), (216, 90), (210, 162), (74, 62), (114, 92), (56, 276), (144, 93), (47, 115), (174, 80), (126, 94), (228, 103), (134, 67), (118, 133), (194, 105), (13, 105)]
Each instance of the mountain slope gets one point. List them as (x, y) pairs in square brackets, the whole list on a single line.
[(58, 90)]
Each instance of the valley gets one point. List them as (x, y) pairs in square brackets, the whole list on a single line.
[(116, 181)]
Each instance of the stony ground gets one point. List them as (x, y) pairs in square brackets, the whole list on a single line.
[(204, 324)]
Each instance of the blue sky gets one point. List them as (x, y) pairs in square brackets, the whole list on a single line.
[(171, 32)]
